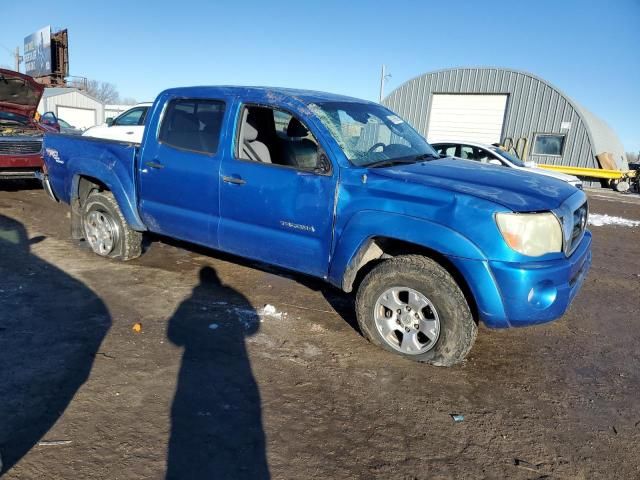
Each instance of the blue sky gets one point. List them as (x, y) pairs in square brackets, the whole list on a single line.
[(589, 49)]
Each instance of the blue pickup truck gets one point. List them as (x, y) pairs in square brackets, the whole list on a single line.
[(342, 189)]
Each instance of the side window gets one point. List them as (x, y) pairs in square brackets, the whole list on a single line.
[(269, 135), (467, 152), (192, 124), (131, 117), (548, 144), (448, 150)]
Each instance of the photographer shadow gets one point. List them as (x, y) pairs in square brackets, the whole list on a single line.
[(216, 420)]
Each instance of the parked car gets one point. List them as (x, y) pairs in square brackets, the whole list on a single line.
[(67, 128), (126, 127), (495, 155), (341, 189), (20, 134)]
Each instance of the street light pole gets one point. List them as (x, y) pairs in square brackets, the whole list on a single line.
[(383, 78), (18, 59)]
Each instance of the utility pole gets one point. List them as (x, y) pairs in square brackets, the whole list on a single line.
[(18, 59), (383, 78)]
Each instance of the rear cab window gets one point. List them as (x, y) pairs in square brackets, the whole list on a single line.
[(193, 125)]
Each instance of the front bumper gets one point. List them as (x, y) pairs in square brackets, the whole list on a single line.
[(524, 294)]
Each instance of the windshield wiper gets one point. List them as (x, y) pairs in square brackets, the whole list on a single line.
[(390, 162), (424, 156)]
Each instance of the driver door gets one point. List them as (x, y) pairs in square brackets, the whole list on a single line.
[(276, 204)]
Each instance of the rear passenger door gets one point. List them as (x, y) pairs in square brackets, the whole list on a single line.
[(277, 192), (178, 173)]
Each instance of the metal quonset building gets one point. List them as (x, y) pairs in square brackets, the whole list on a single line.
[(492, 105)]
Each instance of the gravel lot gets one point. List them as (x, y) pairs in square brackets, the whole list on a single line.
[(215, 385)]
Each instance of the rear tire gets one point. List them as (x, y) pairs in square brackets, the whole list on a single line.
[(106, 230), (411, 306)]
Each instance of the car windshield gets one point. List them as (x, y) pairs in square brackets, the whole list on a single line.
[(64, 124), (512, 158), (370, 135), (9, 118)]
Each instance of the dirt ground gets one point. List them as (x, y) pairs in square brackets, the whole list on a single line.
[(216, 387)]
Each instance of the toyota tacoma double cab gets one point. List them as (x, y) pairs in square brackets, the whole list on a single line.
[(341, 189)]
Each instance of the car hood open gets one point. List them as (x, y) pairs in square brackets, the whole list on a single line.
[(514, 189), (19, 93)]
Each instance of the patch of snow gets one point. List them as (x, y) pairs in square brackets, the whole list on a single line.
[(271, 312), (213, 326), (599, 220)]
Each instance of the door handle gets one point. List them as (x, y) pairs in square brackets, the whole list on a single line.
[(154, 165), (234, 180)]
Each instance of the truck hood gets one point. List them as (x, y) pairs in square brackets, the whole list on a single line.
[(19, 93), (514, 189)]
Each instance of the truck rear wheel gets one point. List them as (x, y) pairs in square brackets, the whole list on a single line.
[(411, 306), (106, 230)]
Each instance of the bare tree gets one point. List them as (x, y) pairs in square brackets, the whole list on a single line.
[(104, 91), (632, 157)]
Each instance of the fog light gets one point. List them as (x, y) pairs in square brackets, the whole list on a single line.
[(542, 295)]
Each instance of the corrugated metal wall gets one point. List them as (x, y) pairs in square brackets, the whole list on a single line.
[(533, 107)]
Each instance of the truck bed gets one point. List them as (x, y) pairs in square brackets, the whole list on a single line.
[(71, 156)]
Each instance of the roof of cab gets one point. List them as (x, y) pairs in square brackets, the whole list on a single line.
[(304, 96)]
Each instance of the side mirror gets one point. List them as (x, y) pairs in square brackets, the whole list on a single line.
[(109, 121), (324, 165), (493, 161)]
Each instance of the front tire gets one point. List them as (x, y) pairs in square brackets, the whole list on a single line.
[(411, 306), (106, 230)]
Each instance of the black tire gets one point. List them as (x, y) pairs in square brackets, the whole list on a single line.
[(127, 243), (458, 329)]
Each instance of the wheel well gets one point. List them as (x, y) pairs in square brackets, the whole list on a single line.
[(378, 249), (86, 185)]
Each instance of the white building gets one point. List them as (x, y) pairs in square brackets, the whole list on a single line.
[(73, 106)]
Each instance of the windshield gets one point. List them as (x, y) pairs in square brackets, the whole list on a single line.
[(370, 134), (512, 158)]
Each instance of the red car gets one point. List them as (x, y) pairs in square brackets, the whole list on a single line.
[(20, 134)]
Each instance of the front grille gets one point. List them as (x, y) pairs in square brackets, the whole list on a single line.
[(20, 147), (579, 225)]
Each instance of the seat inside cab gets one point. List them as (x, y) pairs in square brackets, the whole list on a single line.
[(273, 136)]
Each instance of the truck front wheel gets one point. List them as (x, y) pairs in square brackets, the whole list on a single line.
[(106, 230), (412, 306)]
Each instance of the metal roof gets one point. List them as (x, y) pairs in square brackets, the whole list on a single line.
[(55, 91), (535, 105)]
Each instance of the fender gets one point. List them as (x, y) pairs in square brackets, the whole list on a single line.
[(366, 225), (113, 174)]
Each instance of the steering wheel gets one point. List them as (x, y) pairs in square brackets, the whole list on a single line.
[(376, 145)]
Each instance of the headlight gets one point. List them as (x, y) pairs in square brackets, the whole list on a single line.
[(532, 234)]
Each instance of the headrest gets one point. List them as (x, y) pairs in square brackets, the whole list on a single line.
[(183, 121), (296, 129), (249, 133), (210, 119)]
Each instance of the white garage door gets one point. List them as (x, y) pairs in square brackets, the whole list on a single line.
[(78, 117), (466, 117)]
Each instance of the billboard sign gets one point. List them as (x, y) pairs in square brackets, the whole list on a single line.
[(37, 53)]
